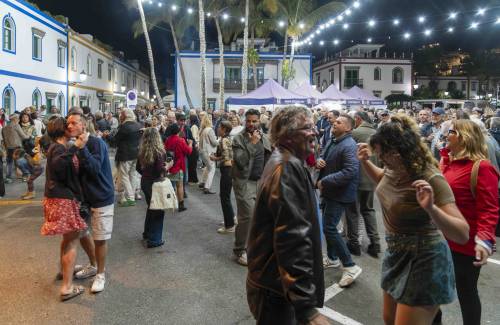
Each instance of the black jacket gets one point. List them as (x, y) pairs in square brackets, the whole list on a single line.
[(284, 244), (61, 176), (127, 141)]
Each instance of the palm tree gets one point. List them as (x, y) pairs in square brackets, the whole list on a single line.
[(244, 68), (150, 54), (177, 25), (203, 50), (301, 16)]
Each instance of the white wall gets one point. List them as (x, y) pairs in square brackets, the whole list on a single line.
[(20, 70), (366, 73), (192, 68)]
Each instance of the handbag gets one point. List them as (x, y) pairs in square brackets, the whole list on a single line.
[(163, 196)]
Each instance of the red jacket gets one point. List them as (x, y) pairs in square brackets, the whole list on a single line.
[(481, 213), (180, 148)]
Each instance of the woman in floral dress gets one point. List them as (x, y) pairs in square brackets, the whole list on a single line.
[(61, 204)]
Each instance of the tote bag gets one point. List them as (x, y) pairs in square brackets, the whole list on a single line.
[(163, 196)]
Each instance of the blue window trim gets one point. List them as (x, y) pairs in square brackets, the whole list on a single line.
[(36, 91), (33, 35), (62, 27), (8, 16), (64, 56), (9, 87)]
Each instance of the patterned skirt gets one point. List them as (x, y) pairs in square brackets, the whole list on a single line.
[(418, 270), (62, 216)]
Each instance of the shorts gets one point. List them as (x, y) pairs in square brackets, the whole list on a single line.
[(102, 222)]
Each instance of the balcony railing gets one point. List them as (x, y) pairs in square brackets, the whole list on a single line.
[(349, 83), (234, 85)]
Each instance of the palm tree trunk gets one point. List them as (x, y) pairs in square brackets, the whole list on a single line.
[(285, 52), (254, 65), (222, 68), (150, 55), (292, 54), (181, 67), (244, 68), (203, 50)]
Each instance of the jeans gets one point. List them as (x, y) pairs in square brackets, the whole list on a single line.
[(245, 192), (226, 184), (192, 165), (364, 207), (153, 225), (466, 275), (24, 166), (269, 308), (10, 162), (336, 247)]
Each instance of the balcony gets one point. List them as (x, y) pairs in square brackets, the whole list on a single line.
[(234, 85), (349, 83)]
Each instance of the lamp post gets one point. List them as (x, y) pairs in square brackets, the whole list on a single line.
[(123, 88), (83, 76)]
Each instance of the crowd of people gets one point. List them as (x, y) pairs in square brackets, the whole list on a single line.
[(300, 177)]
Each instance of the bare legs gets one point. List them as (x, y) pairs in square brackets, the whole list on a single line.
[(68, 257), (101, 250), (88, 246), (400, 314)]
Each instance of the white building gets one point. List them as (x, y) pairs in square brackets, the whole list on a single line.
[(472, 88), (42, 62), (365, 66), (269, 67), (33, 59)]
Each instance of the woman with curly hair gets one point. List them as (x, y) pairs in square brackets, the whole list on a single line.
[(474, 182), (152, 165), (417, 203)]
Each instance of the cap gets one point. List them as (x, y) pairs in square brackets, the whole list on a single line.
[(438, 110)]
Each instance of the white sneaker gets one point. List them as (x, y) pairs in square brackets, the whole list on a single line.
[(329, 263), (86, 272), (138, 197), (241, 259), (99, 282), (349, 275), (224, 230)]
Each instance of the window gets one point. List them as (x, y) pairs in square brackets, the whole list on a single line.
[(60, 102), (9, 34), (123, 78), (50, 99), (377, 93), (36, 98), (397, 75), (129, 76), (110, 72), (377, 74), (73, 101), (37, 37), (9, 100), (99, 68), (474, 86), (116, 76), (318, 80), (260, 73), (134, 82), (352, 77), (73, 59), (332, 76), (464, 85), (89, 65), (84, 101), (211, 103), (452, 86), (233, 74), (61, 54)]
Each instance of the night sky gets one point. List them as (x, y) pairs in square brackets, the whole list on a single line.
[(110, 21)]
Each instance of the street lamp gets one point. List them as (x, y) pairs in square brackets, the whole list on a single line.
[(142, 93), (123, 88), (446, 94), (83, 76), (415, 86)]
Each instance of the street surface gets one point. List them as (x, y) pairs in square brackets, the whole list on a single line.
[(190, 280)]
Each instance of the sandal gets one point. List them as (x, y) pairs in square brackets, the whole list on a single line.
[(76, 291)]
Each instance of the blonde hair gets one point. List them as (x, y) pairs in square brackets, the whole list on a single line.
[(151, 147), (206, 122), (471, 141)]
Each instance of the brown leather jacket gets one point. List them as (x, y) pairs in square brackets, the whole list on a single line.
[(284, 244)]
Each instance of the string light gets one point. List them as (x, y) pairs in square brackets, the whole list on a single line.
[(302, 25), (371, 23), (407, 35), (340, 18), (453, 15), (481, 11), (356, 4), (160, 4), (225, 16), (450, 30), (348, 12), (498, 20), (427, 32), (474, 25), (190, 11), (174, 7), (209, 14), (421, 19), (321, 43), (369, 40), (396, 22), (281, 23), (242, 19), (345, 26), (336, 42)]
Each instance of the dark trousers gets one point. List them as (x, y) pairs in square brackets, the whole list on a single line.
[(226, 184), (269, 308), (192, 165), (336, 247), (153, 225), (364, 207), (466, 275), (2, 182), (10, 161)]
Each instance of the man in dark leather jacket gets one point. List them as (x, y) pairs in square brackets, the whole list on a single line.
[(285, 281)]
